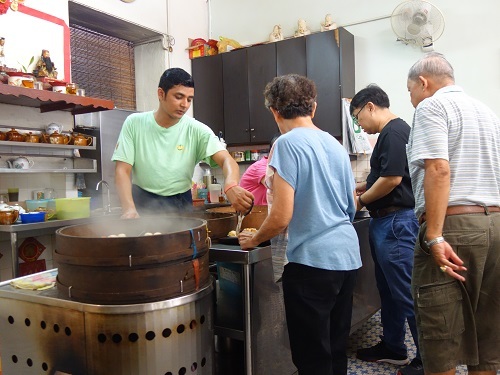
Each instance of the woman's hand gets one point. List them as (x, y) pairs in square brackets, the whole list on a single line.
[(247, 240)]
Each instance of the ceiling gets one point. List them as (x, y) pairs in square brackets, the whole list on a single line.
[(107, 24)]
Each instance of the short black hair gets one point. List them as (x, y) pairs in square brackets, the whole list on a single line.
[(371, 93), (175, 77)]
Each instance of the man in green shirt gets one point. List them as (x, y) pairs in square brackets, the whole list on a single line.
[(157, 151)]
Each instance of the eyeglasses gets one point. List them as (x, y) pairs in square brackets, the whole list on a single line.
[(355, 117)]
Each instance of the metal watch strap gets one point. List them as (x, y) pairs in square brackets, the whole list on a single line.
[(434, 241)]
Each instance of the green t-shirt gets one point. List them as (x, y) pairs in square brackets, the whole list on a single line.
[(163, 159)]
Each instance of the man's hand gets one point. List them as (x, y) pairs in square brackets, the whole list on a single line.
[(360, 188), (240, 198), (359, 206), (448, 260), (129, 214)]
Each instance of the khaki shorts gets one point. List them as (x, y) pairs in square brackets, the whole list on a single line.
[(459, 323)]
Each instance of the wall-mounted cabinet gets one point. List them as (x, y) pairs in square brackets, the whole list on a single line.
[(229, 87)]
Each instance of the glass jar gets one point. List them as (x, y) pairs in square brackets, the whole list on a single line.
[(254, 155)]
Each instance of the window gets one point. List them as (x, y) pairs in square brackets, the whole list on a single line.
[(104, 66)]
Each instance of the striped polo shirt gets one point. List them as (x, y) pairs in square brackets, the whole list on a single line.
[(453, 126)]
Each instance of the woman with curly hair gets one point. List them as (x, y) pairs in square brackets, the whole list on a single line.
[(313, 195)]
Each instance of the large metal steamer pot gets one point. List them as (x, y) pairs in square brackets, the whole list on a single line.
[(135, 268), (45, 333)]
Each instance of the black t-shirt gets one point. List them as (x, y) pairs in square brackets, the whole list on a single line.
[(389, 159)]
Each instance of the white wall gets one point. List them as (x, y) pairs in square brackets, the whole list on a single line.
[(26, 35), (469, 40)]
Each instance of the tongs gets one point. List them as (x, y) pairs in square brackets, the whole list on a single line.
[(241, 216)]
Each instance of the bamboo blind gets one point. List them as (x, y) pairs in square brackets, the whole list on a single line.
[(104, 66)]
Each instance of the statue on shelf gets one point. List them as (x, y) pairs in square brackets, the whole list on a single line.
[(328, 24), (302, 28), (276, 35), (2, 54), (45, 67)]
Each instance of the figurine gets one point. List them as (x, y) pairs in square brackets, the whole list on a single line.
[(276, 35), (45, 67), (328, 24), (2, 54), (302, 28), (225, 43)]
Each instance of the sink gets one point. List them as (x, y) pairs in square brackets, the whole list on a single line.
[(115, 211)]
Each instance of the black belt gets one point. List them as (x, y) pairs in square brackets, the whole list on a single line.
[(381, 212)]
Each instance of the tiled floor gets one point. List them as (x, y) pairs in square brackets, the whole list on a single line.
[(368, 335)]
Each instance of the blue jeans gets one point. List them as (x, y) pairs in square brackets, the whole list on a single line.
[(392, 242)]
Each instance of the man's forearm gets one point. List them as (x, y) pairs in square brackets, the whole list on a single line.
[(437, 193)]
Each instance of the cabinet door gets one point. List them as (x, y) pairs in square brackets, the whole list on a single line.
[(291, 57), (236, 107), (323, 68), (347, 64), (208, 104), (261, 70)]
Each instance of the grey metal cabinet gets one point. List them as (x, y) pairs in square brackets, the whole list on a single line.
[(261, 70), (236, 104), (209, 91), (291, 57), (323, 67), (327, 58)]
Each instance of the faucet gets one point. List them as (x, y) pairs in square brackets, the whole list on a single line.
[(106, 208)]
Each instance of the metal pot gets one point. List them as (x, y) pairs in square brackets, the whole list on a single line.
[(134, 267)]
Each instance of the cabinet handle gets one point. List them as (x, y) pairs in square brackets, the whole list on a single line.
[(252, 129)]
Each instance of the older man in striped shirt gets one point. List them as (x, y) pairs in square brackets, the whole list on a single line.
[(454, 160)]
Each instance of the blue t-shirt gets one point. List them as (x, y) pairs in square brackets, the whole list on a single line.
[(318, 168)]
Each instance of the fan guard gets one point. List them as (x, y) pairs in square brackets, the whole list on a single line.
[(418, 22)]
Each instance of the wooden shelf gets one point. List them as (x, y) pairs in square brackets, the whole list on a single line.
[(48, 101)]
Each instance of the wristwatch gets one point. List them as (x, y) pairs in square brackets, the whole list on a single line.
[(434, 241)]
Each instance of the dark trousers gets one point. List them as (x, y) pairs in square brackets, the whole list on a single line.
[(318, 306), (152, 204)]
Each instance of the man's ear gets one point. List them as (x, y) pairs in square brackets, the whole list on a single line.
[(424, 82), (161, 93)]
